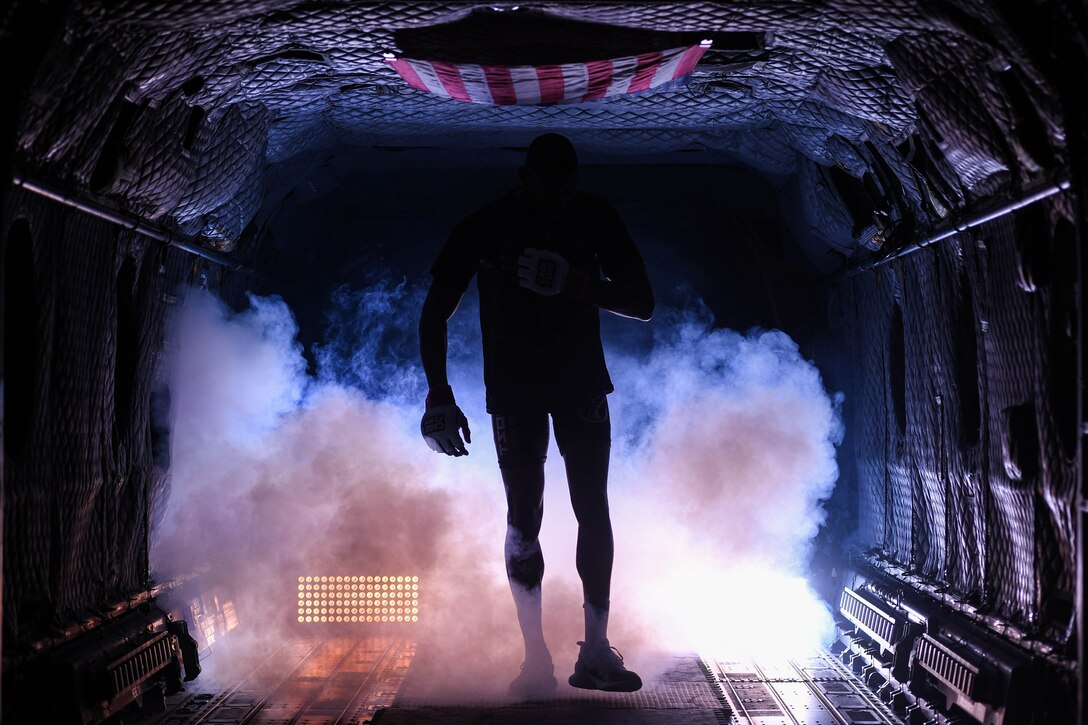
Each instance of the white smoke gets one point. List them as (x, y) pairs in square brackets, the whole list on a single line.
[(723, 465), (723, 449)]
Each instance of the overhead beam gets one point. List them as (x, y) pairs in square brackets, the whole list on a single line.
[(132, 224), (956, 226)]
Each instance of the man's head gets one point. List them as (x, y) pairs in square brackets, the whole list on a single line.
[(550, 172)]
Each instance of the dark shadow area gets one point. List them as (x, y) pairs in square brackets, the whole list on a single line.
[(710, 235), (897, 370), (530, 37), (1064, 322), (966, 370), (21, 339), (1021, 443), (127, 350)]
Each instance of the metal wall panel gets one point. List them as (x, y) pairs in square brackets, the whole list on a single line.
[(976, 492), (78, 496)]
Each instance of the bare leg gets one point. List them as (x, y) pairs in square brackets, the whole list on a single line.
[(584, 438), (522, 444), (587, 477), (524, 559), (584, 435), (525, 572)]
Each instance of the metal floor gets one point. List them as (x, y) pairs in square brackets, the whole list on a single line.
[(347, 680)]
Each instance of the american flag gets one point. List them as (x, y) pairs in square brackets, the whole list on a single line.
[(527, 85)]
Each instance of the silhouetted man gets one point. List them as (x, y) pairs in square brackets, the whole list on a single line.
[(546, 257)]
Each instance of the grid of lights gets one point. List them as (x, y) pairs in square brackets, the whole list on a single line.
[(358, 599)]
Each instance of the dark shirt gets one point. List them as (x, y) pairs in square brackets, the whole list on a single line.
[(539, 352)]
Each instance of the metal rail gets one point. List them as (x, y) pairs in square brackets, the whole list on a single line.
[(954, 227), (389, 654), (382, 667), (260, 704), (782, 690), (204, 715), (318, 692), (381, 655), (131, 223)]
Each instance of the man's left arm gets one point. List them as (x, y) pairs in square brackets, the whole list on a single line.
[(625, 289)]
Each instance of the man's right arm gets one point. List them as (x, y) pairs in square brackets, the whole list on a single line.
[(442, 301), (443, 422)]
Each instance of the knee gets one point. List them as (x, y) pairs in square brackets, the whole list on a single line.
[(526, 519), (524, 559), (521, 544)]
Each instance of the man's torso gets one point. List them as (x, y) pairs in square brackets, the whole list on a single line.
[(539, 351)]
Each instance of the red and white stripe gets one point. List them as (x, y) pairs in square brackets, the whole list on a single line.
[(528, 85)]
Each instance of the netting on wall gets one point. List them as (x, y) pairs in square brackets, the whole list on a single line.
[(81, 476), (965, 356), (183, 113)]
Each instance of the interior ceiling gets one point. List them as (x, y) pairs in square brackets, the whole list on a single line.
[(195, 114)]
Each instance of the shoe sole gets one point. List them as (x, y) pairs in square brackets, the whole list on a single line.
[(589, 682)]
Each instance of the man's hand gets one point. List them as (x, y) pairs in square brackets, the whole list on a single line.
[(441, 426), (542, 271)]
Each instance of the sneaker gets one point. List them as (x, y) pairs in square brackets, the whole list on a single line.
[(601, 668), (537, 680)]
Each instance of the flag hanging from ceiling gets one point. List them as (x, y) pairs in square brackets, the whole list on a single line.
[(527, 85)]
